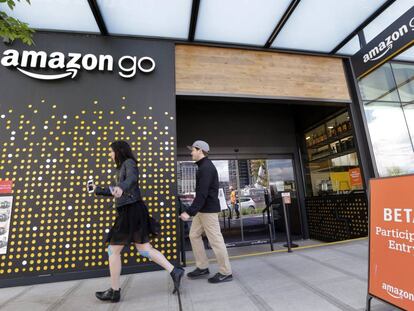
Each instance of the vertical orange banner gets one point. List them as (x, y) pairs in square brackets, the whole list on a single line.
[(6, 186), (391, 257), (355, 177)]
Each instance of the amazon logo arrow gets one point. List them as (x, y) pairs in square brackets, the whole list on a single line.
[(69, 72)]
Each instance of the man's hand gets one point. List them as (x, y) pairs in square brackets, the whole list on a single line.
[(117, 192), (184, 216)]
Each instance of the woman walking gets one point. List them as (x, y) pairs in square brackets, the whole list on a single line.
[(133, 224)]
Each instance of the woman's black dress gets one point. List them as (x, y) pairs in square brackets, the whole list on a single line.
[(133, 224)]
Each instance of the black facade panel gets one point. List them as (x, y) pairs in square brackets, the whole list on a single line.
[(56, 134), (249, 127)]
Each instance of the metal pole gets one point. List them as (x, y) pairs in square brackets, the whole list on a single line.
[(271, 200), (238, 197), (288, 240), (183, 255), (269, 226), (272, 223), (368, 305), (182, 238)]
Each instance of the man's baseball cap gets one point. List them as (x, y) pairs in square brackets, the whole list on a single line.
[(200, 145)]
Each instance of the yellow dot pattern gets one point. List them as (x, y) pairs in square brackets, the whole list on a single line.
[(50, 151)]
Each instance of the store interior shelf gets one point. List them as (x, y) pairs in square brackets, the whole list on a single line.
[(332, 156), (330, 140), (331, 169), (331, 164)]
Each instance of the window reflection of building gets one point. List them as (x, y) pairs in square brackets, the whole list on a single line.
[(186, 177), (244, 173), (233, 174)]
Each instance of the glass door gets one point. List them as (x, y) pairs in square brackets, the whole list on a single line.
[(282, 179), (243, 185)]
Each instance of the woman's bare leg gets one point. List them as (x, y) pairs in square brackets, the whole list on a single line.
[(156, 256), (115, 265)]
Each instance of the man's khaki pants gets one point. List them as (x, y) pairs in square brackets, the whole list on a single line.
[(209, 223)]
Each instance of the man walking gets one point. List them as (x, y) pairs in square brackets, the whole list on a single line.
[(205, 209)]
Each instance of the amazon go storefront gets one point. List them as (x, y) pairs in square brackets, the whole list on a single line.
[(276, 122), (61, 104)]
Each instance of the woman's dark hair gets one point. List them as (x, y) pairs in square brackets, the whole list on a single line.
[(122, 152)]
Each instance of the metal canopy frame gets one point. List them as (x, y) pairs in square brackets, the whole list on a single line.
[(292, 6), (193, 20), (98, 17), (100, 21), (358, 31)]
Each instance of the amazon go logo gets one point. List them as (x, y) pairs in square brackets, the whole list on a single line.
[(397, 293), (69, 65)]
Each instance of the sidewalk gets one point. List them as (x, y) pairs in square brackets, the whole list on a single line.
[(328, 278)]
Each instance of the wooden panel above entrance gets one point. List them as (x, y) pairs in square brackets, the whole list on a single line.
[(202, 70)]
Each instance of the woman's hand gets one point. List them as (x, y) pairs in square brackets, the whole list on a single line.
[(117, 192), (91, 187)]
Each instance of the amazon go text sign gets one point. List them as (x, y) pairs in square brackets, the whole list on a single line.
[(70, 64), (392, 240), (393, 40)]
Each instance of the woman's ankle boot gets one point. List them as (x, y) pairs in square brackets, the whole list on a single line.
[(109, 295), (176, 275)]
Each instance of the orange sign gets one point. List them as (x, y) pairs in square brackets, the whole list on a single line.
[(355, 177), (6, 186), (391, 243)]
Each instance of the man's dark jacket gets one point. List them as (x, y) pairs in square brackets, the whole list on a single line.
[(207, 185)]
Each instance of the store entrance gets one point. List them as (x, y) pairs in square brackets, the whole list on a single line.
[(267, 147), (246, 189)]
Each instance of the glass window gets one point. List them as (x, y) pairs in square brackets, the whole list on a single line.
[(388, 95), (66, 15), (404, 78), (390, 140), (245, 187), (332, 162), (234, 21), (386, 18), (409, 115), (320, 25), (379, 85), (351, 47), (407, 55), (153, 18)]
